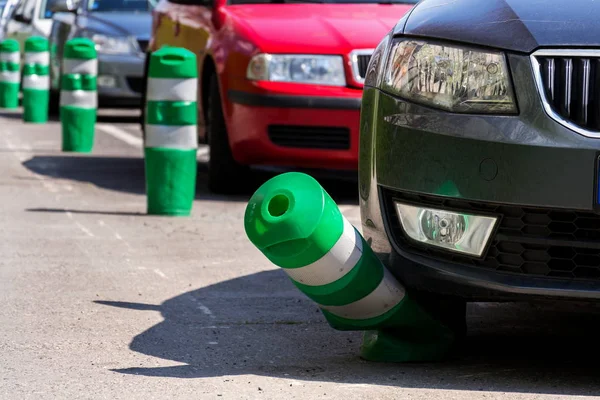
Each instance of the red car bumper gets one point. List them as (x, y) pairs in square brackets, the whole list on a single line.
[(294, 131)]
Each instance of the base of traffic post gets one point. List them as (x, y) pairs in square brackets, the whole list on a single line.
[(397, 347), (35, 106), (78, 128), (170, 180), (9, 95), (406, 333)]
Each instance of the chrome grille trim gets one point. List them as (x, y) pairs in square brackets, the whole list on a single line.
[(568, 98), (354, 62)]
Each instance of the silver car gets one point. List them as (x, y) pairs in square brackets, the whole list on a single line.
[(120, 30)]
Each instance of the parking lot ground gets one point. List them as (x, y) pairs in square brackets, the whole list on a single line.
[(100, 301)]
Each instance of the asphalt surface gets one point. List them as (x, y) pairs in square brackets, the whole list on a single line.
[(100, 301)]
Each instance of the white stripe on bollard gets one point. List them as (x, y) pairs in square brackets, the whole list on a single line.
[(168, 89), (337, 262), (172, 137), (386, 296), (14, 57), (38, 82), (40, 57), (75, 66), (79, 98), (10, 76)]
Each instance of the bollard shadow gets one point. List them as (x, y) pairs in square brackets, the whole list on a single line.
[(126, 174), (261, 325), (18, 115)]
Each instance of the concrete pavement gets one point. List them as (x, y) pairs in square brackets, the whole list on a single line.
[(100, 301)]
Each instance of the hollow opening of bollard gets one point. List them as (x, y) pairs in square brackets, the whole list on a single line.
[(172, 59), (278, 205)]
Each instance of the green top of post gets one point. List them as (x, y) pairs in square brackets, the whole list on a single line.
[(293, 220), (173, 62), (36, 44), (80, 49), (9, 46)]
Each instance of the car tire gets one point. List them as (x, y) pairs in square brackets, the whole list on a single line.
[(143, 100), (54, 104), (450, 310), (225, 175)]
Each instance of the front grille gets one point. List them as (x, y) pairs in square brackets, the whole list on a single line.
[(143, 45), (310, 137), (528, 241), (570, 84), (135, 84), (360, 63), (363, 63)]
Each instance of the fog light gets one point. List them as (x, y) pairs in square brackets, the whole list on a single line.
[(107, 81), (459, 232)]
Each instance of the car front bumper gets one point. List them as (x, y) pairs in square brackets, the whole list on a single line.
[(294, 131), (120, 80), (537, 176)]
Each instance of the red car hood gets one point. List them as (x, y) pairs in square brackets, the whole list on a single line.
[(316, 28)]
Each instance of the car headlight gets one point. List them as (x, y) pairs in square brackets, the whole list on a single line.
[(450, 77), (109, 44), (311, 69)]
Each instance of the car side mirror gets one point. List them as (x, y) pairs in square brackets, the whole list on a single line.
[(62, 6)]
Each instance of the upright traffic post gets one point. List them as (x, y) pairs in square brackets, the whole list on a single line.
[(10, 77), (78, 95), (171, 140), (36, 80)]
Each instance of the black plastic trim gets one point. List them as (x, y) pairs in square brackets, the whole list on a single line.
[(475, 284), (285, 101)]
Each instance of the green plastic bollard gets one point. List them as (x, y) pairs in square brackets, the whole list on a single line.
[(171, 142), (294, 222), (78, 96), (10, 77), (36, 80)]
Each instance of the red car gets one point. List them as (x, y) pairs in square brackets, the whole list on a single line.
[(280, 82)]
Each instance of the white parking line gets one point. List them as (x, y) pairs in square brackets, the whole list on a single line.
[(137, 142), (121, 134)]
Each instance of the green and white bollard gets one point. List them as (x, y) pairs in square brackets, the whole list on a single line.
[(36, 80), (78, 95), (171, 141), (10, 76), (294, 222)]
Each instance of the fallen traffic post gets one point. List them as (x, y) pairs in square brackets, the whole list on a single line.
[(36, 80), (10, 77), (171, 138), (294, 222), (78, 96)]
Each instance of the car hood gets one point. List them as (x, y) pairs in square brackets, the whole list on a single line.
[(518, 25), (316, 28), (119, 23)]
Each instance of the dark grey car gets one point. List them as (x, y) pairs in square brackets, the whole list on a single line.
[(121, 31), (480, 139)]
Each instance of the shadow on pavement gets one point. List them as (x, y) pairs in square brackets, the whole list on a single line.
[(260, 324), (104, 116), (126, 174), (117, 119), (18, 115)]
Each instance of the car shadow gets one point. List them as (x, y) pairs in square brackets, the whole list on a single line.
[(260, 324), (126, 174)]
